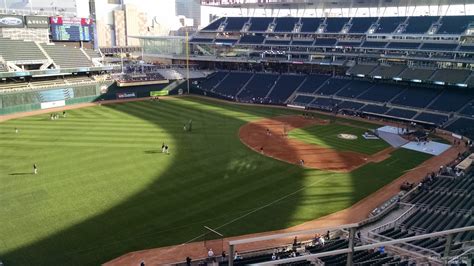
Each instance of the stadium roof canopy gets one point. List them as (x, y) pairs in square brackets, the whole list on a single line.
[(326, 4)]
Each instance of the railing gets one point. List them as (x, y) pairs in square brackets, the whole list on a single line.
[(395, 222)]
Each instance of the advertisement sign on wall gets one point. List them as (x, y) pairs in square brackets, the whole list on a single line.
[(159, 93), (11, 21), (47, 105), (124, 95), (37, 22)]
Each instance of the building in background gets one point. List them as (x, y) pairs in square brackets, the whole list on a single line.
[(189, 9)]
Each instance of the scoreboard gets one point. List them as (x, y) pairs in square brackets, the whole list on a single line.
[(70, 33), (71, 29)]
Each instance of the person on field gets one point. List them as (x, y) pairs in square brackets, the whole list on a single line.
[(163, 148), (261, 150), (16, 130), (64, 113), (210, 255), (167, 150), (35, 168)]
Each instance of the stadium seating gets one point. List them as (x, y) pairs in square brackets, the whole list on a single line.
[(416, 97), (67, 57), (348, 105), (258, 87), (354, 89), (17, 50), (310, 25), (453, 76), (451, 100), (401, 113), (278, 42), (312, 83), (439, 46), (324, 103), (416, 74), (303, 100), (213, 80), (235, 23), (468, 110), (252, 39), (302, 42), (389, 24), (387, 71), (361, 69), (232, 83), (374, 109), (325, 42), (335, 25), (419, 25), (462, 126), (381, 93), (362, 25), (455, 24), (285, 24), (403, 45), (436, 119), (284, 88), (92, 53), (369, 44), (331, 86), (259, 24), (201, 40), (214, 25)]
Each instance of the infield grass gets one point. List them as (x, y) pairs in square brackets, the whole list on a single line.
[(327, 136), (104, 188)]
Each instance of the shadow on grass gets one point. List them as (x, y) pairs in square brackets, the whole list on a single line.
[(213, 180)]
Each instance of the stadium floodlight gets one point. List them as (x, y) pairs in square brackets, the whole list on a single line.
[(416, 80)]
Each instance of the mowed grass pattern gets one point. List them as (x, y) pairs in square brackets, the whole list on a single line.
[(104, 188), (327, 136)]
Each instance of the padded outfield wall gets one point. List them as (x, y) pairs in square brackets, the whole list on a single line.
[(71, 94), (55, 97)]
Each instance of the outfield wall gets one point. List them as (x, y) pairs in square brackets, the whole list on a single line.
[(25, 101)]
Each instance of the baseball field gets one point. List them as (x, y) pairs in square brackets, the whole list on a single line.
[(105, 188)]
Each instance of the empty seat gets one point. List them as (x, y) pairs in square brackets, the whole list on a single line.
[(325, 42), (401, 113), (67, 57), (303, 100), (362, 25), (284, 88), (285, 24), (235, 24), (335, 25), (214, 25), (252, 39), (260, 24), (389, 24), (419, 25), (370, 44), (381, 93), (453, 76), (18, 50), (436, 119), (455, 24), (439, 46), (310, 25), (354, 89), (416, 97), (312, 83)]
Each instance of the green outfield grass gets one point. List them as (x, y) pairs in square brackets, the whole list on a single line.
[(326, 136), (104, 188)]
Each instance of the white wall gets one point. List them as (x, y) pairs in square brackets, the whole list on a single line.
[(359, 12)]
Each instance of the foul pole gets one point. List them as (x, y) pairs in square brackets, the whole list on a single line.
[(187, 59)]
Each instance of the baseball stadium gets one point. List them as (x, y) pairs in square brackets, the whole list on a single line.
[(296, 132)]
